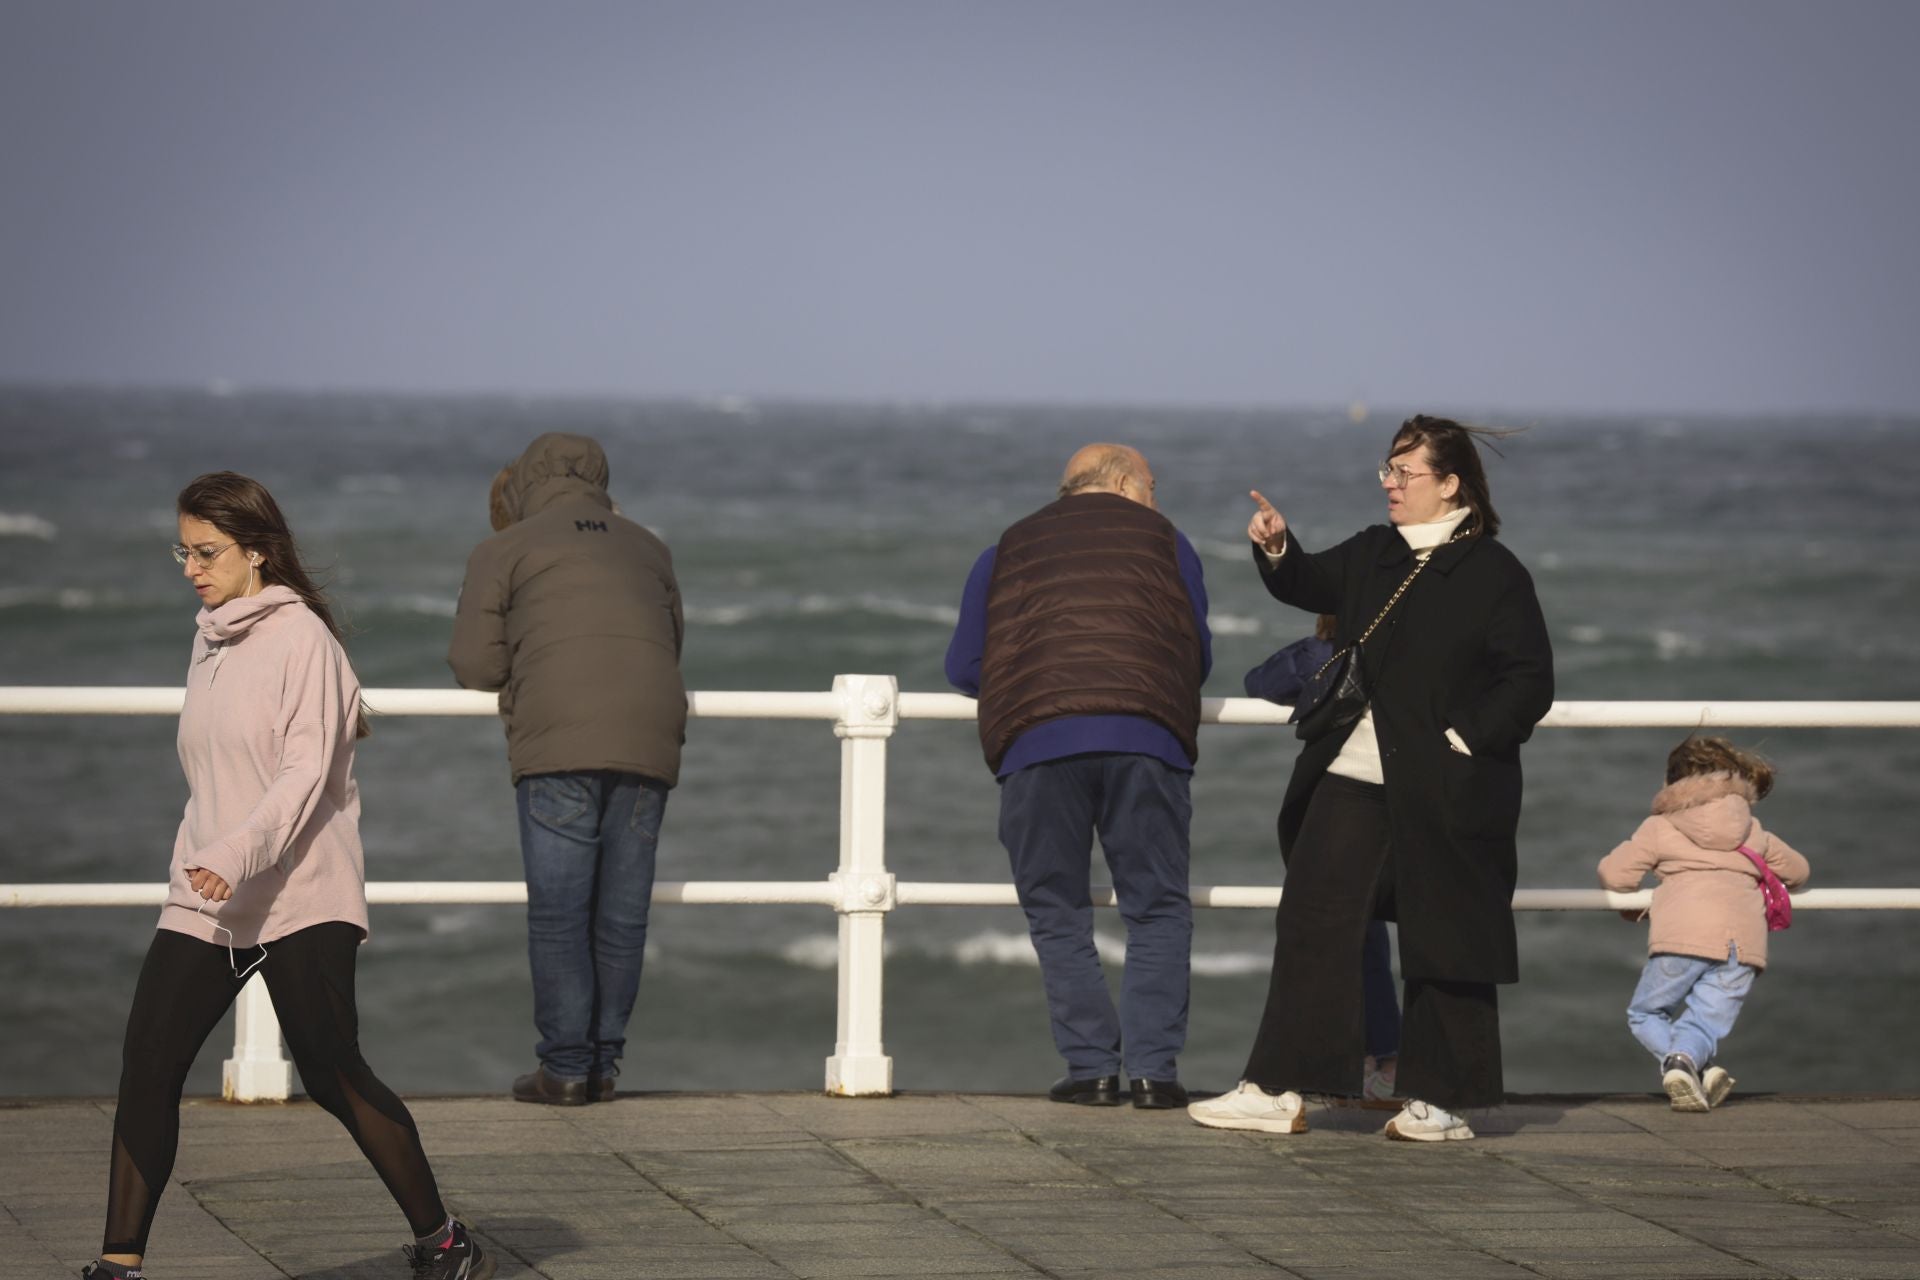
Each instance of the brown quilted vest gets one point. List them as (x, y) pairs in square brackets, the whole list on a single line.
[(1087, 615)]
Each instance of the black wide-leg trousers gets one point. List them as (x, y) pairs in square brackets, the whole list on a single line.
[(1312, 1036)]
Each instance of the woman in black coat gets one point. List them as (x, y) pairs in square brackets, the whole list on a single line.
[(1409, 813)]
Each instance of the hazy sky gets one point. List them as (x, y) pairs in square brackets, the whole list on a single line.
[(1678, 205)]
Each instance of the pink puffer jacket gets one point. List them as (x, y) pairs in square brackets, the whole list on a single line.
[(1709, 893)]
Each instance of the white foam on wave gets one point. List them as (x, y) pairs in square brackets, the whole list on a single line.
[(418, 603), (815, 951), (21, 524), (726, 615), (823, 606), (1215, 549), (67, 599), (1233, 624), (1008, 949), (1668, 646), (885, 606)]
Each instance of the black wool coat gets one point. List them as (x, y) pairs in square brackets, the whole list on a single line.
[(1466, 648)]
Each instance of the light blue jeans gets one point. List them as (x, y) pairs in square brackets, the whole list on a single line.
[(1688, 1005)]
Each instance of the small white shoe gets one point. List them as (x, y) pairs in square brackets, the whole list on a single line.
[(1718, 1084), (1423, 1122), (1685, 1091), (1251, 1107), (1377, 1093)]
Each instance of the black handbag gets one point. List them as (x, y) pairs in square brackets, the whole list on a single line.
[(1336, 694)]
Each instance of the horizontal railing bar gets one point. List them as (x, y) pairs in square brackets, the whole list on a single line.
[(907, 893), (730, 704)]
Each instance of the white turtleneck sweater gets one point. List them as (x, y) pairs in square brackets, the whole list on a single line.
[(1359, 756)]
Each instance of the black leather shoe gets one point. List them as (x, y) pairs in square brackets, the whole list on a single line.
[(538, 1086), (1101, 1091), (1157, 1095), (600, 1088)]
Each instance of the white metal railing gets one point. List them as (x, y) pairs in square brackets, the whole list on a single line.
[(864, 711)]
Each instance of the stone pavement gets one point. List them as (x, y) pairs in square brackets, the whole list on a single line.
[(754, 1186)]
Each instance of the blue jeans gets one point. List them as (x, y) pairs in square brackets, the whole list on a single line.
[(1142, 809), (588, 842), (1688, 1005), (1383, 1004)]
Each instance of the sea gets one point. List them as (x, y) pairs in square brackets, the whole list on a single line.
[(1677, 557)]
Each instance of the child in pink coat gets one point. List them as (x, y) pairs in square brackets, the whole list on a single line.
[(1708, 939)]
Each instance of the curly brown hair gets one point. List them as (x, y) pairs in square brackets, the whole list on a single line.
[(1699, 755)]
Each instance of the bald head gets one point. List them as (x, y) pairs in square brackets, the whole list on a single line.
[(1109, 468)]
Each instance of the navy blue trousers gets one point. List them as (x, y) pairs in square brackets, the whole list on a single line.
[(1141, 809)]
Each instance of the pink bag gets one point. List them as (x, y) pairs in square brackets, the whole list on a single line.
[(1772, 892)]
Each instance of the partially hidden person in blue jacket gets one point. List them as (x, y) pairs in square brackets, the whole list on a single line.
[(1280, 679), (1083, 633)]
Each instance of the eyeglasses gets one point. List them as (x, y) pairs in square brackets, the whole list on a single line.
[(206, 554), (1399, 476)]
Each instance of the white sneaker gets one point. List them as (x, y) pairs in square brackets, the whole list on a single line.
[(1682, 1082), (1377, 1093), (1423, 1122), (1718, 1085), (1251, 1107)]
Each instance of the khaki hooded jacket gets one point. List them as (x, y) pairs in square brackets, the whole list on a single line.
[(1709, 892), (572, 613)]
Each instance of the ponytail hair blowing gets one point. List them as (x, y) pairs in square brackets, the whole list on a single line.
[(240, 507), (1452, 447)]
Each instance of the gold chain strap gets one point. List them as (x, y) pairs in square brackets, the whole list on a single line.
[(1392, 601)]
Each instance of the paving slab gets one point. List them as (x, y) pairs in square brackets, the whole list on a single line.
[(659, 1186)]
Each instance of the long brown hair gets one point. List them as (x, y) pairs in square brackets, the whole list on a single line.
[(1452, 447), (240, 507)]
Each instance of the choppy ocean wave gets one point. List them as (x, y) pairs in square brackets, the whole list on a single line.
[(417, 603), (823, 606), (23, 524), (64, 599), (1007, 949), (1640, 538)]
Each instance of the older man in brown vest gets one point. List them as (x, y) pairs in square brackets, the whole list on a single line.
[(1083, 633)]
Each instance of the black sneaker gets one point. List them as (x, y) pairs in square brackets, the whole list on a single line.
[(111, 1271), (458, 1257)]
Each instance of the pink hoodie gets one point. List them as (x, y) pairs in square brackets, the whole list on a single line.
[(266, 740), (1709, 892)]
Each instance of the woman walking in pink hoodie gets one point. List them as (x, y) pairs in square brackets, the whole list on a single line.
[(267, 875), (1708, 940)]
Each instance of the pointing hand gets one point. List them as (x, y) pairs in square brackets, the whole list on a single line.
[(1268, 528)]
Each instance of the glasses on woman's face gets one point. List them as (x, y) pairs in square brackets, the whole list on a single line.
[(1399, 477), (206, 553)]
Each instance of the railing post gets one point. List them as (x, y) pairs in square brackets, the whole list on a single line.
[(869, 711), (257, 1071)]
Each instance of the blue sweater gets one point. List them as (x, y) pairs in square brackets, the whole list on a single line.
[(1073, 735)]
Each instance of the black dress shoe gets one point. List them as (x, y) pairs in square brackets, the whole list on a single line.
[(1157, 1095), (600, 1088), (1101, 1091), (538, 1086)]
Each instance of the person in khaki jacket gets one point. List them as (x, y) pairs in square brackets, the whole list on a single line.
[(572, 613), (1708, 940)]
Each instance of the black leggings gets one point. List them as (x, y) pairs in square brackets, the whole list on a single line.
[(186, 985), (1312, 1034)]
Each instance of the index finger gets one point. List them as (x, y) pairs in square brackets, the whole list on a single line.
[(1256, 495)]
